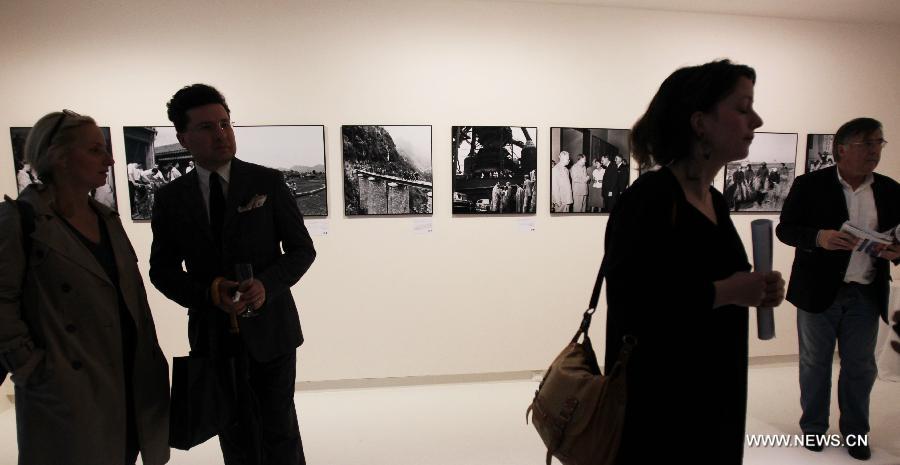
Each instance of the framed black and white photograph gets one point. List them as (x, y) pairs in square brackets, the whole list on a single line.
[(155, 158), (760, 182), (494, 169), (589, 168), (25, 175), (819, 151), (387, 170)]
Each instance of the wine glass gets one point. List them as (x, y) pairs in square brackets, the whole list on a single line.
[(243, 273)]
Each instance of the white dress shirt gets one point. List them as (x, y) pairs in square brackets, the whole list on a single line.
[(861, 207)]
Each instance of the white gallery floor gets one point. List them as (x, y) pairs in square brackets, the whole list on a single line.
[(484, 424)]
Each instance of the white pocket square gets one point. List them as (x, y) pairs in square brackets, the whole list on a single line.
[(257, 201)]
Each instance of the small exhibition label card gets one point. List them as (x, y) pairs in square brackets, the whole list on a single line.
[(422, 226), (526, 225), (317, 227)]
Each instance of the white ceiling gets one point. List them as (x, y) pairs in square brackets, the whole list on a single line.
[(854, 11)]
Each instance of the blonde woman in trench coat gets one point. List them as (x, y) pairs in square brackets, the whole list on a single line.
[(76, 333)]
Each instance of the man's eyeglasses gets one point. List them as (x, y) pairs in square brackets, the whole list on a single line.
[(869, 144), (58, 124), (223, 125)]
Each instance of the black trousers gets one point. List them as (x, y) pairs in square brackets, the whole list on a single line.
[(266, 431)]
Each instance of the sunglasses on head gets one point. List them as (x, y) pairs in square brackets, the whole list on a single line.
[(59, 121)]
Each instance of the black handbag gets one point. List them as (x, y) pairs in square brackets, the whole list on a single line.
[(204, 400)]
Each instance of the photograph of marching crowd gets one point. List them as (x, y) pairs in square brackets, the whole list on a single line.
[(494, 169), (589, 169), (155, 158), (760, 182), (819, 152), (387, 170), (25, 175)]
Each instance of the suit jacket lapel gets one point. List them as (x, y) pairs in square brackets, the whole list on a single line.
[(880, 207), (237, 184), (839, 200)]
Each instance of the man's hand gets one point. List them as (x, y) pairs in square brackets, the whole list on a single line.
[(830, 239), (891, 252), (252, 295), (225, 301)]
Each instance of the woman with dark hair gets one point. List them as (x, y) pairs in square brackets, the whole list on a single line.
[(76, 332), (671, 234)]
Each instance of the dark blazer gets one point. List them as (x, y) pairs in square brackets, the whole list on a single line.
[(611, 181), (181, 233), (622, 182), (816, 201)]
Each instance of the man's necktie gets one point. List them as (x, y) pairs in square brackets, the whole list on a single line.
[(216, 207)]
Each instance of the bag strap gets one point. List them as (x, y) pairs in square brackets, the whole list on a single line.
[(628, 341), (592, 304), (26, 222), (26, 217)]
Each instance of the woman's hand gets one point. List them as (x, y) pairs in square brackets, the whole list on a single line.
[(750, 289), (774, 290)]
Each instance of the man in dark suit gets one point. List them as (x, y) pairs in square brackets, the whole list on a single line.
[(622, 172), (610, 186), (225, 212), (839, 292), (615, 180)]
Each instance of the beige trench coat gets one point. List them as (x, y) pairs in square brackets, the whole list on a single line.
[(65, 350)]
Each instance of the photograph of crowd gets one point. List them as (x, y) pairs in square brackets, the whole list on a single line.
[(819, 153), (387, 170), (154, 158), (589, 169), (105, 194), (760, 182), (494, 169)]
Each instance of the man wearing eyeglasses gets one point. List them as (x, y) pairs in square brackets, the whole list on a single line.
[(840, 292), (228, 215)]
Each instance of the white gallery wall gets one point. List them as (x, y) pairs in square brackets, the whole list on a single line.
[(478, 294)]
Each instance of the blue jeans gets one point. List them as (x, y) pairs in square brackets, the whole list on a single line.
[(851, 322)]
